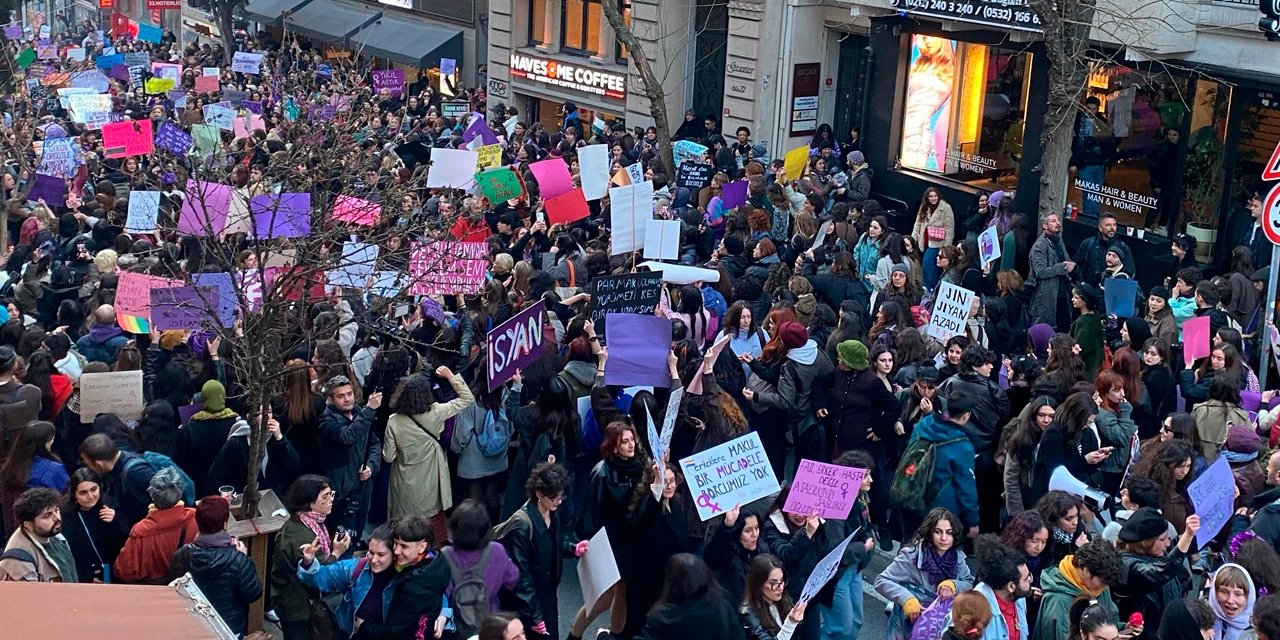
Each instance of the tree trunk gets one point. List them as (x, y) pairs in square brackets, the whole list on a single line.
[(260, 401), (227, 27), (652, 86), (1066, 39)]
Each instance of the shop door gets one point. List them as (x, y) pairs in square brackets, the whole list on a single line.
[(851, 84), (711, 24)]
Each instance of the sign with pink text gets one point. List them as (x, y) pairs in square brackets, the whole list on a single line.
[(828, 490), (516, 344), (733, 474), (447, 268)]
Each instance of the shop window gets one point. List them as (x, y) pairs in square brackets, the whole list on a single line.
[(964, 111), (620, 54), (1203, 174), (537, 22), (1124, 156), (582, 20)]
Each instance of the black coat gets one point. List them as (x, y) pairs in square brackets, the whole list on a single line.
[(710, 616), (989, 414), (93, 542), (537, 549), (860, 404), (665, 533), (198, 444), (226, 577), (419, 594), (1151, 585), (231, 467), (728, 559)]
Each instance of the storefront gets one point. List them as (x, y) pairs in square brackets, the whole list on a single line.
[(540, 86)]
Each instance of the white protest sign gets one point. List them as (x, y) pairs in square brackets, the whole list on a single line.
[(144, 208), (989, 244), (825, 570), (454, 168), (734, 473), (246, 62), (662, 240), (119, 393), (669, 419), (220, 117), (597, 569), (593, 169), (950, 312), (630, 210), (682, 274), (655, 443)]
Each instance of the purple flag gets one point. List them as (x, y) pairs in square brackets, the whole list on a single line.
[(638, 349), (479, 128), (734, 194), (518, 343), (220, 290), (181, 308), (172, 139), (287, 215), (52, 188)]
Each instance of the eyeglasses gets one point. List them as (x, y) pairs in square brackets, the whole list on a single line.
[(776, 584)]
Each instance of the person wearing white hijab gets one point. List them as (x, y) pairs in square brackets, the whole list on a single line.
[(1231, 596)]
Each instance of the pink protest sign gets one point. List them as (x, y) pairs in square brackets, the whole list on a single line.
[(242, 125), (1195, 339), (128, 138), (133, 293), (447, 268), (356, 211), (206, 84), (828, 490), (553, 177)]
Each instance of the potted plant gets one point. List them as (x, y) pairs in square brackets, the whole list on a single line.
[(1202, 193)]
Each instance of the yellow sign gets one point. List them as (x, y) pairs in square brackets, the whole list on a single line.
[(156, 86), (488, 157), (793, 163)]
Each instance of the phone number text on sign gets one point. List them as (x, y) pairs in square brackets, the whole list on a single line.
[(1009, 14)]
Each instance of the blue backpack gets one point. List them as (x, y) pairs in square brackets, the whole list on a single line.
[(494, 439)]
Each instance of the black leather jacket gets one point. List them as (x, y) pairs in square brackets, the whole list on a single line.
[(1151, 584)]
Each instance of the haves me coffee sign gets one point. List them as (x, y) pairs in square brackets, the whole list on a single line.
[(1006, 14)]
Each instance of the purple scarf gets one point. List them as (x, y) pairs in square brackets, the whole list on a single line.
[(938, 567)]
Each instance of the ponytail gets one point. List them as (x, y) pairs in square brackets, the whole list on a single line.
[(1087, 616)]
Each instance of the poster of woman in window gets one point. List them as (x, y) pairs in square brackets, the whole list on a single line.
[(927, 122)]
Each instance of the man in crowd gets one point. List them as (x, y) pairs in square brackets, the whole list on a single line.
[(353, 451), (37, 552)]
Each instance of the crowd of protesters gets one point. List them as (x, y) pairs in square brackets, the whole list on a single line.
[(421, 503)]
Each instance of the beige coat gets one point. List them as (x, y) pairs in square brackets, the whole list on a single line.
[(419, 468), (15, 570), (941, 217)]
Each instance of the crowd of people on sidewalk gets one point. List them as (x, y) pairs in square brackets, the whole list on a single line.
[(422, 501)]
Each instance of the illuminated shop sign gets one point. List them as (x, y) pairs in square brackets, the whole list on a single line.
[(559, 74)]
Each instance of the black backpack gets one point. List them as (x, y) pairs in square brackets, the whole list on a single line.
[(470, 594)]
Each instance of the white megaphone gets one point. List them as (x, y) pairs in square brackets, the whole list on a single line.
[(1062, 480)]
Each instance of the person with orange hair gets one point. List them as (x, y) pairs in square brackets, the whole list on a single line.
[(1116, 427)]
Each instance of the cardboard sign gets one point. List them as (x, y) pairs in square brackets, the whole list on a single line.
[(950, 312), (793, 163), (639, 345), (567, 207), (180, 308), (452, 168), (631, 209), (1120, 296), (630, 293), (693, 175), (118, 393), (479, 129), (687, 151), (356, 266), (1213, 496), (499, 185), (207, 84), (593, 170), (207, 138), (825, 570), (829, 490), (173, 139), (60, 157), (356, 211), (516, 344), (734, 473), (488, 157), (149, 33), (284, 215), (552, 176), (51, 189), (598, 568), (205, 208), (447, 268), (392, 79), (219, 295), (734, 194), (220, 117), (246, 62), (989, 245), (454, 109), (144, 209), (1196, 341), (662, 240), (128, 138)]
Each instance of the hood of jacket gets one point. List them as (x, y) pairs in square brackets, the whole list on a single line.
[(101, 333), (935, 428), (583, 372), (807, 354), (1052, 581)]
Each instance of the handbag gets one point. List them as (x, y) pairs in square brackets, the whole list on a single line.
[(936, 233)]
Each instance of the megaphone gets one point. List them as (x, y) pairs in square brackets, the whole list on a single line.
[(1062, 480)]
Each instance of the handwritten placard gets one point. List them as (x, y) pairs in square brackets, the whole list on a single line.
[(950, 312), (734, 473), (180, 308), (246, 62), (829, 490), (144, 209), (118, 393), (631, 293), (447, 268), (128, 138), (1213, 496), (825, 570)]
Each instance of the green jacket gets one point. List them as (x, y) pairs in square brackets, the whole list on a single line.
[(288, 596), (1059, 593)]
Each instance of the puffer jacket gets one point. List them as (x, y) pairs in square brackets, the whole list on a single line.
[(225, 575)]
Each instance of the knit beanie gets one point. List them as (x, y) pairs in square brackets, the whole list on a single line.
[(213, 396), (793, 334), (852, 354), (734, 245)]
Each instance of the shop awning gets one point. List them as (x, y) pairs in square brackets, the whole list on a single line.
[(330, 20), (269, 11), (407, 40)]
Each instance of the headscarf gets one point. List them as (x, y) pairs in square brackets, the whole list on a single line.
[(1040, 335), (1225, 628)]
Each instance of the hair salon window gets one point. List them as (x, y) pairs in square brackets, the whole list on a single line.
[(964, 111), (582, 21), (1128, 147)]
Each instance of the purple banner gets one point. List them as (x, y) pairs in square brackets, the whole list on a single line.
[(173, 139), (220, 290), (516, 344), (638, 349), (392, 79), (287, 215), (252, 106), (51, 188), (181, 308)]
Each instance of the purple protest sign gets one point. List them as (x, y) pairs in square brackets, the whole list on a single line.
[(287, 215), (323, 112), (829, 490), (187, 410), (252, 106), (479, 128), (181, 308), (638, 349), (173, 139), (734, 194), (50, 188), (218, 289), (517, 343), (13, 32), (392, 79), (119, 72)]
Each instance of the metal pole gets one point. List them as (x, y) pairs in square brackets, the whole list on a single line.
[(1268, 316)]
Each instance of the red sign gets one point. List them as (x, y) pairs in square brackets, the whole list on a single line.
[(1271, 212), (106, 4), (1272, 170), (119, 25), (160, 5)]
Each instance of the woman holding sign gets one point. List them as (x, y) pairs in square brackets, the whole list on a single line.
[(767, 612)]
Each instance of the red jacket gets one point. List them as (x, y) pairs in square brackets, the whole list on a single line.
[(146, 554), (62, 388), (466, 231)]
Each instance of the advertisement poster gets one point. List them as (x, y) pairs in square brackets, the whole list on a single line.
[(926, 125)]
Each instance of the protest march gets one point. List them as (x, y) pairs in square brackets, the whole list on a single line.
[(350, 356)]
